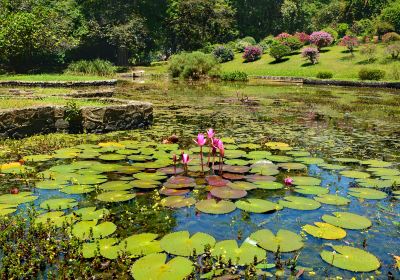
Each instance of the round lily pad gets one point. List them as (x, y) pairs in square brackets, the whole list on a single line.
[(314, 190), (355, 174), (250, 146), (256, 205), (298, 153), (350, 258), (227, 193), (239, 162), (211, 206), (145, 184), (243, 255), (88, 179), (367, 193), (180, 243), (374, 183), (292, 166), (332, 199), (347, 220), (286, 240), (259, 178), (277, 158), (376, 163), (241, 185), (37, 158), (234, 154), (169, 192), (56, 218), (234, 169), (347, 160), (310, 160), (170, 170), (6, 209), (89, 229), (115, 196), (269, 185), (384, 171), (90, 213), (59, 203), (77, 189), (325, 231), (232, 176), (278, 146), (306, 181), (106, 248), (299, 203), (153, 266), (329, 166), (180, 182), (157, 176), (177, 201), (116, 186), (141, 244), (16, 199), (50, 184), (257, 155), (216, 181)]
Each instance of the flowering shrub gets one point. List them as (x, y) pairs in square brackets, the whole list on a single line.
[(223, 54), (369, 51), (321, 39), (303, 37), (312, 54), (252, 53), (350, 42), (241, 45), (283, 35), (292, 42), (278, 51), (390, 37), (393, 50)]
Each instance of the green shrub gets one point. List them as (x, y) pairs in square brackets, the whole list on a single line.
[(223, 54), (97, 67), (266, 43), (193, 65), (209, 48), (249, 40), (393, 50), (234, 76), (325, 75), (390, 37), (371, 74), (395, 71), (342, 29), (292, 42), (331, 31), (241, 45), (369, 51), (279, 51)]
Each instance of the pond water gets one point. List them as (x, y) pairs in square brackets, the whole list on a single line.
[(263, 127)]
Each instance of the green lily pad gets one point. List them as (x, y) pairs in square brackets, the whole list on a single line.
[(77, 189), (256, 205), (292, 166), (50, 184), (239, 162), (332, 199), (298, 153), (142, 244), (56, 218), (376, 163), (211, 206), (350, 258), (180, 243), (16, 199), (329, 166), (257, 155), (325, 231), (310, 160), (106, 167), (115, 196), (250, 146), (243, 255), (116, 186), (299, 203), (377, 171), (355, 174), (306, 181), (153, 266), (88, 179), (286, 240), (157, 176), (347, 160), (347, 220), (59, 203), (37, 158), (314, 190), (259, 178), (6, 209), (278, 146), (235, 169), (367, 193), (177, 201), (375, 183), (227, 193), (145, 184), (230, 154), (106, 248), (90, 213), (241, 185), (269, 185), (276, 158), (83, 229), (269, 170)]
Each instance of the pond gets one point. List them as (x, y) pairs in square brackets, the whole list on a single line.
[(317, 166)]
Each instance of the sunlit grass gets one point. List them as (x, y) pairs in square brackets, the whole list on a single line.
[(51, 78), (10, 103)]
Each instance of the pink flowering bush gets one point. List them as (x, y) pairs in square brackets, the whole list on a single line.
[(310, 53), (303, 37), (321, 39), (283, 35), (350, 42), (252, 53)]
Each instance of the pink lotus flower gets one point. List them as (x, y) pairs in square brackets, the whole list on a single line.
[(288, 181), (185, 159), (201, 141), (220, 146), (210, 133)]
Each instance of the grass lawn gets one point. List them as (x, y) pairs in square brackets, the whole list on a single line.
[(51, 78), (15, 103), (334, 59)]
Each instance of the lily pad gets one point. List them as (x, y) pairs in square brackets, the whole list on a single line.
[(277, 158), (211, 206), (306, 181), (257, 155), (59, 203), (56, 218), (367, 193), (145, 184), (384, 171), (116, 186), (332, 199), (37, 158), (278, 146), (234, 154), (286, 240), (299, 203), (6, 209), (292, 166), (242, 185), (227, 193), (243, 255), (259, 178), (106, 248), (347, 220), (310, 160), (216, 181), (84, 229), (234, 169), (180, 243), (142, 244), (90, 213), (269, 185), (177, 201), (298, 153), (115, 196), (157, 176), (329, 166), (325, 231), (376, 163), (350, 258), (153, 267), (172, 192), (77, 189), (347, 160), (355, 174), (239, 162), (50, 184), (314, 190), (256, 205), (374, 183), (16, 199)]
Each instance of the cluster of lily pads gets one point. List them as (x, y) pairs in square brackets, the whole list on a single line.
[(216, 177)]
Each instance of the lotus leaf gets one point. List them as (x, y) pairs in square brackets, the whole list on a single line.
[(239, 162), (111, 144), (257, 155), (104, 247), (250, 146), (299, 203), (88, 179), (90, 213), (286, 240), (265, 170), (232, 176), (376, 163), (211, 206), (84, 229), (197, 168), (259, 178), (171, 170), (37, 158), (166, 191), (139, 158), (6, 209), (177, 201), (228, 193), (268, 185), (127, 152), (325, 231), (314, 190), (367, 193), (106, 167), (56, 218), (59, 203), (306, 181), (115, 196), (310, 160), (256, 205), (228, 140), (350, 258), (375, 183), (347, 160), (180, 243), (355, 174), (234, 154), (129, 169), (112, 157), (229, 250), (298, 153), (234, 169), (242, 185), (78, 189), (116, 186), (384, 171), (347, 220), (142, 244), (216, 181), (150, 176), (332, 199), (292, 166), (153, 267), (278, 146), (50, 184), (332, 166), (145, 184), (276, 158), (16, 199)]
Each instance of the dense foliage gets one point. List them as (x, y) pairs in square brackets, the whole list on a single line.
[(371, 74), (223, 54), (311, 54), (252, 53), (193, 65)]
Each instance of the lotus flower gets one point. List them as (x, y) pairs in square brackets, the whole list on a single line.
[(201, 141), (210, 133), (220, 146), (185, 159), (288, 181)]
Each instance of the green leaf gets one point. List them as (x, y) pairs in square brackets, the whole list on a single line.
[(256, 205), (347, 220), (367, 193), (59, 203), (142, 244), (325, 231), (177, 201), (211, 206), (115, 196), (90, 213), (286, 240), (311, 190), (180, 243), (299, 203), (107, 249), (83, 229), (229, 250), (332, 199)]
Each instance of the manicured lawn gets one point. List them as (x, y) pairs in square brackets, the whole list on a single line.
[(334, 59), (51, 78), (10, 103)]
